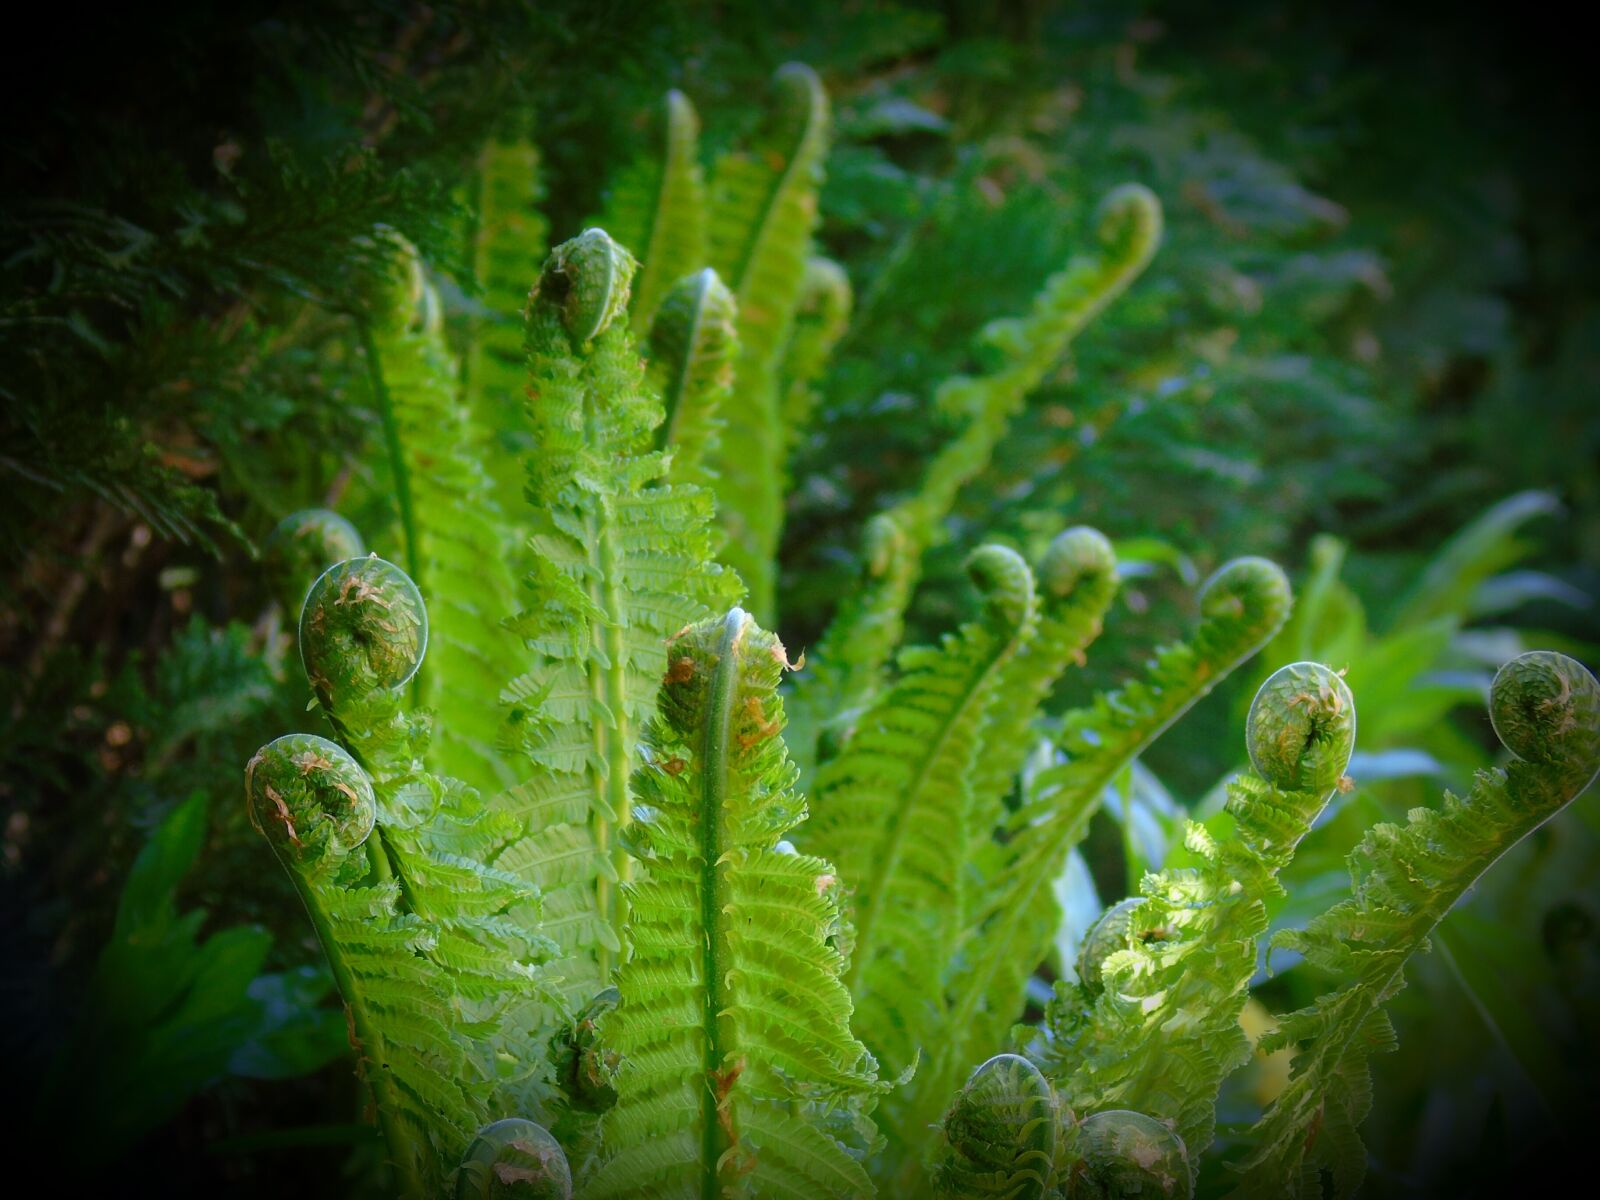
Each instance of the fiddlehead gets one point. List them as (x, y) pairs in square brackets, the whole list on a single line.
[(363, 628), (733, 1026), (1405, 879), (302, 546), (1154, 1025), (693, 344), (587, 281), (1005, 1134), (310, 800), (514, 1159), (1124, 1154)]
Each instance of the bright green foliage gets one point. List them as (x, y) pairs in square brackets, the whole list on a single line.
[(302, 546), (657, 208), (1404, 880), (693, 344), (620, 562), (848, 664), (733, 1025), (508, 246), (1011, 929), (1005, 1135), (459, 555), (821, 316), (763, 210), (1161, 1030), (895, 812), (514, 1159)]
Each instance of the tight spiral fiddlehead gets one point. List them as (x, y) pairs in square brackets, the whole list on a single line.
[(363, 627), (1003, 1135), (309, 799), (302, 546), (1301, 728), (1545, 707), (1109, 933), (589, 278), (514, 1159), (1126, 1155)]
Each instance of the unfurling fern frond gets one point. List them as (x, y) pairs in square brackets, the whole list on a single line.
[(763, 211), (693, 344), (1006, 1135), (733, 1026), (1011, 932), (1153, 1025), (508, 246), (847, 665), (1405, 879), (620, 561), (821, 316), (461, 539), (895, 812), (657, 208), (514, 1159), (302, 546)]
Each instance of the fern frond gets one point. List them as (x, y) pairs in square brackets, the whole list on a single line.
[(508, 247), (894, 811), (461, 535), (733, 1026), (1405, 879), (1005, 1135), (657, 208), (302, 546), (1010, 934), (848, 663), (1154, 1023), (821, 315), (763, 211), (693, 344), (620, 561)]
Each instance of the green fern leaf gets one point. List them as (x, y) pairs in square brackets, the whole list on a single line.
[(733, 1026), (620, 561), (1405, 879), (763, 211), (821, 316), (693, 344)]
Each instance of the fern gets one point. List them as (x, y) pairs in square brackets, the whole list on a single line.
[(1154, 1024), (620, 560), (693, 344), (733, 1025), (895, 812), (1405, 879), (848, 662), (657, 207), (821, 316), (763, 211), (459, 534)]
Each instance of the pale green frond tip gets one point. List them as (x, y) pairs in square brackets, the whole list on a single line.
[(1302, 728), (1074, 555), (309, 799), (589, 278), (364, 627), (392, 293), (1129, 222), (884, 542), (514, 1159), (1105, 937), (1003, 578), (1127, 1154), (302, 546), (1002, 1133), (1252, 588), (1546, 708), (695, 299)]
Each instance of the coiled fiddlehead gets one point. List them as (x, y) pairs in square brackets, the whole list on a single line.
[(1404, 880), (302, 546), (1004, 1135), (1127, 1155), (1301, 727), (363, 628), (310, 800), (514, 1159), (588, 279), (693, 344), (1110, 932)]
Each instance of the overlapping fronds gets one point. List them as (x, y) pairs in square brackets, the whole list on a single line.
[(1405, 879), (1153, 1025), (693, 344), (621, 560), (763, 211), (657, 208), (456, 534), (847, 665), (1010, 932), (508, 246), (894, 811), (734, 1024)]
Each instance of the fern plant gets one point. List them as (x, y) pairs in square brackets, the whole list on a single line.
[(621, 930)]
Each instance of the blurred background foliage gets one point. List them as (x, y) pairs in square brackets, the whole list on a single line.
[(1369, 347)]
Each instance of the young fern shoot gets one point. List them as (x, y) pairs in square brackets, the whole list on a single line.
[(693, 344)]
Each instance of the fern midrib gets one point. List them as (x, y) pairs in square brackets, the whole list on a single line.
[(713, 798), (889, 861)]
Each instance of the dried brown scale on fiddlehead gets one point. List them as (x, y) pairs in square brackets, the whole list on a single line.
[(514, 1159), (309, 799), (363, 628), (301, 547)]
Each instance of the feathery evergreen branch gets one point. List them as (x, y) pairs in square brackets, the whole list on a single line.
[(734, 1025), (1405, 879)]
